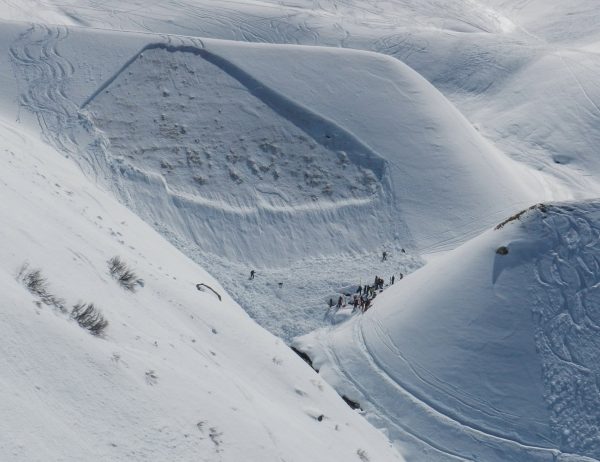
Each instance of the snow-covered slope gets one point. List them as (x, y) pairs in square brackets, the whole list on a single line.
[(178, 375), (304, 163), (492, 58), (483, 355), (269, 156)]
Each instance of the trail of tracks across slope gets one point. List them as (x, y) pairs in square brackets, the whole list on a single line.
[(46, 72), (431, 428)]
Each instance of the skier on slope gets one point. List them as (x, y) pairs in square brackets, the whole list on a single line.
[(252, 273)]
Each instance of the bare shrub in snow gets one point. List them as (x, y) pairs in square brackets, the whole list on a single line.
[(35, 282), (363, 455), (517, 216), (151, 377), (89, 317), (124, 275)]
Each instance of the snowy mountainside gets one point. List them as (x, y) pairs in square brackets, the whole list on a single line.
[(483, 55), (243, 167), (411, 128), (500, 361), (169, 379)]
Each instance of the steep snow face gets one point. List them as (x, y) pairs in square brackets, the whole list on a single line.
[(234, 156), (178, 374), (239, 149), (500, 360), (320, 163)]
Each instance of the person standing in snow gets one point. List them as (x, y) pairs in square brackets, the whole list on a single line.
[(339, 303), (252, 273), (393, 279), (330, 302), (384, 256), (359, 290)]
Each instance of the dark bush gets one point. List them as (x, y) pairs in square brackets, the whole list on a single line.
[(517, 216), (37, 284), (502, 250), (89, 317), (124, 275)]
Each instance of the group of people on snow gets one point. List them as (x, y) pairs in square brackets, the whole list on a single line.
[(363, 296)]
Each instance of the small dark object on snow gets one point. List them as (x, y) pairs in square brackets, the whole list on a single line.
[(200, 288), (252, 273), (517, 216), (280, 284), (352, 404), (320, 418), (502, 250), (88, 317), (305, 357)]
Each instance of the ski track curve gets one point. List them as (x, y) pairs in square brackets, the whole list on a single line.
[(38, 62), (463, 434)]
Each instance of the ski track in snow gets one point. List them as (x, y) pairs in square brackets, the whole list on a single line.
[(37, 59), (568, 320), (430, 427)]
